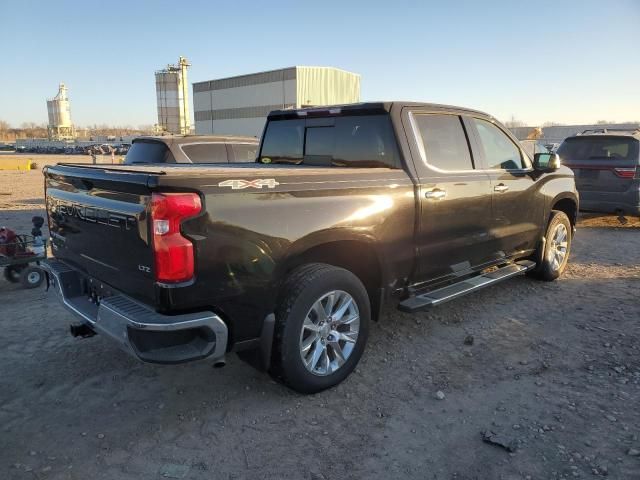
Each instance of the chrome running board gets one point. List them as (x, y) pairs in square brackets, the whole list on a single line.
[(455, 290)]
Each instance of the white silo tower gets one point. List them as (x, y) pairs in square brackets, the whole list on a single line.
[(172, 92), (59, 110)]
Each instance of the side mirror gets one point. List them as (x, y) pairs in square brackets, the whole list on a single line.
[(546, 161)]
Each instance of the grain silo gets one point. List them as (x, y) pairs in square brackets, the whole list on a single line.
[(240, 105), (172, 92), (59, 111)]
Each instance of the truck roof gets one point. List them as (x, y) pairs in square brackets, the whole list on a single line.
[(368, 107)]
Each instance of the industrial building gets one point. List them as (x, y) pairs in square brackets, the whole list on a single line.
[(239, 105), (172, 92), (59, 111)]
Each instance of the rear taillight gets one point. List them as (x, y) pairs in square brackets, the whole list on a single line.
[(173, 252), (630, 172)]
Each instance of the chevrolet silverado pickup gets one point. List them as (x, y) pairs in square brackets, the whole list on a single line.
[(287, 260)]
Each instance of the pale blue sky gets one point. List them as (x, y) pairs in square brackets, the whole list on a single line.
[(564, 61)]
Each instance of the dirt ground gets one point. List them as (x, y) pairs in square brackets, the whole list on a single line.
[(553, 371)]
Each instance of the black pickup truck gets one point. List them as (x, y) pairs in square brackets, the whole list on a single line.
[(287, 260)]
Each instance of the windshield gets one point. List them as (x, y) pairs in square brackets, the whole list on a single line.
[(599, 148)]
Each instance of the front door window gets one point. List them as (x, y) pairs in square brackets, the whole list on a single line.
[(500, 152)]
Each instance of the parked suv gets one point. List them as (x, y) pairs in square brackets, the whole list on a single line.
[(192, 149), (286, 261), (606, 163)]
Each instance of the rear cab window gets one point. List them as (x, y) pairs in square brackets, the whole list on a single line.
[(342, 141), (283, 142)]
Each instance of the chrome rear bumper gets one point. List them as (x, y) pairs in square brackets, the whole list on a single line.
[(137, 328)]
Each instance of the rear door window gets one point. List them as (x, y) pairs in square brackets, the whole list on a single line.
[(500, 152), (148, 151), (347, 141), (206, 152), (444, 141), (244, 152), (598, 148)]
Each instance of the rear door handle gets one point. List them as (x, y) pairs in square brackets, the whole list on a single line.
[(500, 188), (435, 194)]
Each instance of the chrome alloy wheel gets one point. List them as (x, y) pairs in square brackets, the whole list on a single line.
[(329, 333), (558, 249)]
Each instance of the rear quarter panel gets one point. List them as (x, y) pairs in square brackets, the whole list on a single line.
[(248, 236)]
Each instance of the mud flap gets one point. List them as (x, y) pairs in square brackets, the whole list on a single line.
[(257, 352), (266, 341)]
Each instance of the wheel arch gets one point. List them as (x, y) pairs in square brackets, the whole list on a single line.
[(358, 254), (569, 206)]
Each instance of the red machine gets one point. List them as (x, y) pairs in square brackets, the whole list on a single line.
[(19, 252)]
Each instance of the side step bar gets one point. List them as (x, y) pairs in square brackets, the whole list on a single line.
[(444, 294)]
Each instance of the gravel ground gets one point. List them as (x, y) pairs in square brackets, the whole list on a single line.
[(551, 370)]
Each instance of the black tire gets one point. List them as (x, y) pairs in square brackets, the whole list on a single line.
[(302, 289), (12, 274), (546, 269), (32, 277)]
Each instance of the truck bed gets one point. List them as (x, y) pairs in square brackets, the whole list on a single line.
[(99, 219)]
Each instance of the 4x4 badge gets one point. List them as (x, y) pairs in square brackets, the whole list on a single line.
[(240, 184)]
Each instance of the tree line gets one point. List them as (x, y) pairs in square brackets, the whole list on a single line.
[(39, 130)]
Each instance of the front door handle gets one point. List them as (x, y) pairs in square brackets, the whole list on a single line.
[(500, 188), (435, 194)]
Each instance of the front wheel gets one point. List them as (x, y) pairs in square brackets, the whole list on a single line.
[(557, 247), (31, 277), (322, 325)]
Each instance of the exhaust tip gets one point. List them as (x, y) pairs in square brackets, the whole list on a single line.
[(219, 364)]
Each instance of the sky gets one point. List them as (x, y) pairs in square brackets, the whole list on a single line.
[(540, 61)]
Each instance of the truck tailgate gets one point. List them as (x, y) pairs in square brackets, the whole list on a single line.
[(98, 222)]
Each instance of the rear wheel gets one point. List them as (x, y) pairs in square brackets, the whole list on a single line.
[(12, 273), (556, 248), (322, 325), (31, 277)]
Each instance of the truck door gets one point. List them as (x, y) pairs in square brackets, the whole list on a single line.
[(454, 220), (517, 206)]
